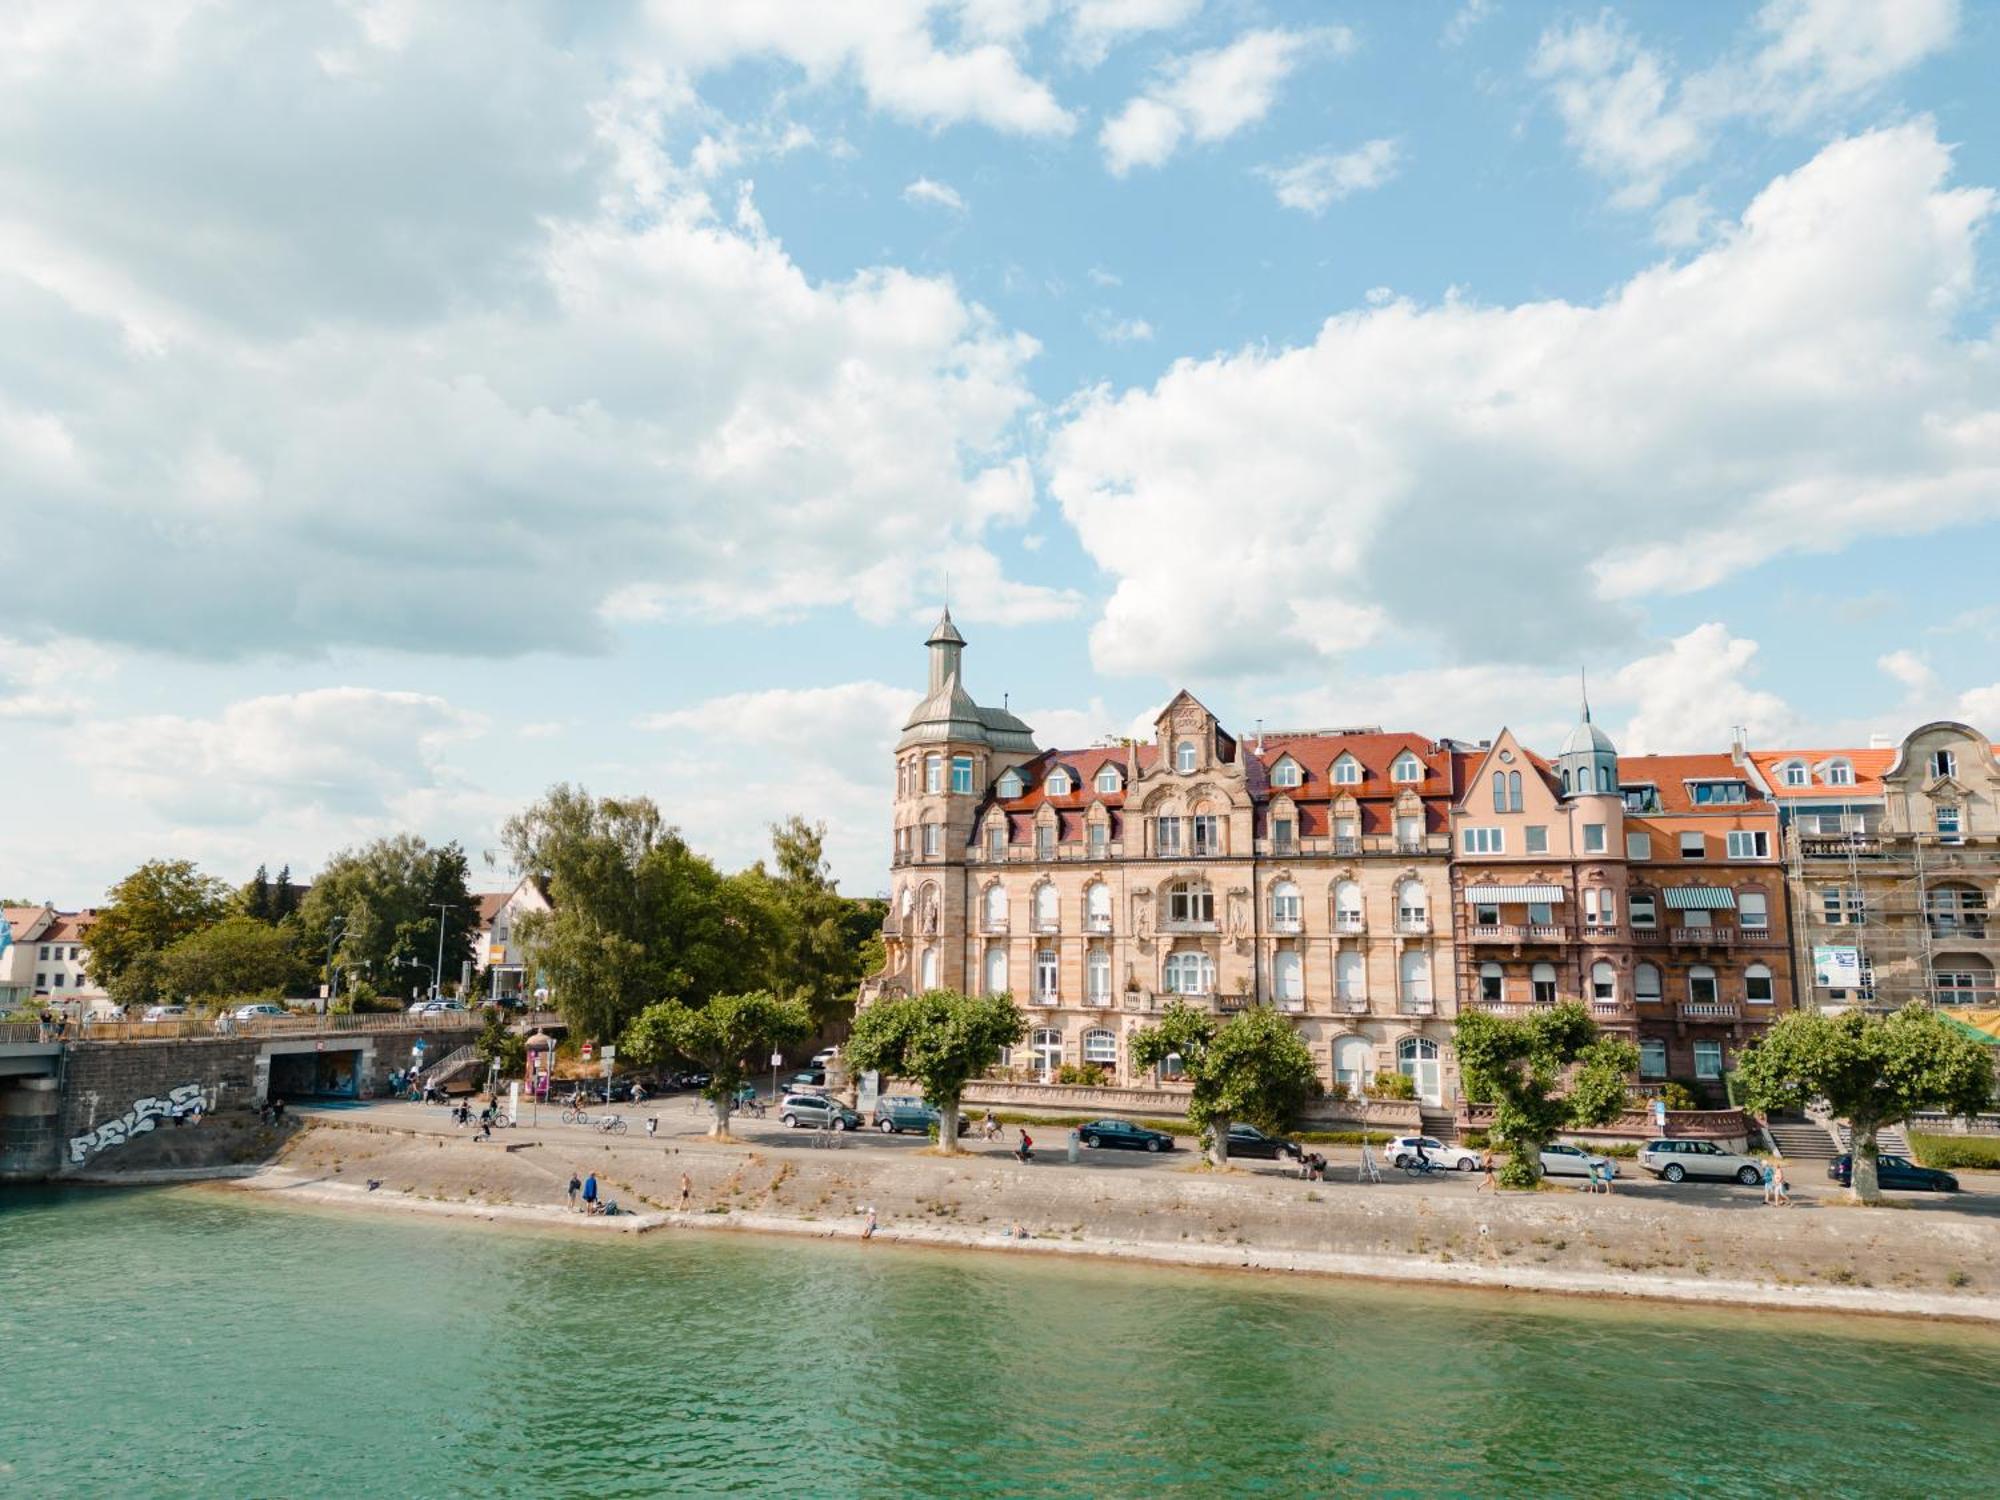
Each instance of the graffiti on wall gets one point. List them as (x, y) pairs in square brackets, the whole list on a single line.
[(141, 1117)]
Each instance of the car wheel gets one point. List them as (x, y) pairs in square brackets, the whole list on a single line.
[(1090, 1141), (1403, 1160), (791, 1120), (886, 1127), (842, 1125), (1152, 1145), (1673, 1171), (1465, 1164), (1749, 1176)]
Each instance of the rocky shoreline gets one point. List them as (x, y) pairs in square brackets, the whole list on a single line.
[(1818, 1257)]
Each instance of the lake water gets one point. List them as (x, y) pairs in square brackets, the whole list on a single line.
[(191, 1343)]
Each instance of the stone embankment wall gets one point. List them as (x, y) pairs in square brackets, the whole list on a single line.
[(1399, 1116)]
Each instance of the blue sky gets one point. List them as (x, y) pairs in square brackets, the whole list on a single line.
[(405, 407)]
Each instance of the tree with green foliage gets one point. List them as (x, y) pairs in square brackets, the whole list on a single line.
[(819, 941), (1252, 1067), (385, 893), (254, 900), (1871, 1071), (284, 896), (146, 913), (1547, 1072), (940, 1040), (728, 1038), (499, 1043), (236, 956)]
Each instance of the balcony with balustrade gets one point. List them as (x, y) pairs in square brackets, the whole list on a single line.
[(1186, 926), (1702, 937), (1287, 926), (993, 925), (1709, 1010), (1413, 924), (1099, 922), (1349, 923)]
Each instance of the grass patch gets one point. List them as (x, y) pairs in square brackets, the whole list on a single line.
[(1981, 1153)]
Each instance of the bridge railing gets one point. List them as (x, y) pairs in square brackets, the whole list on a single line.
[(263, 1026)]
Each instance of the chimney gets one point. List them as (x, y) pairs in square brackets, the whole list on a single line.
[(1739, 746), (1260, 736), (1881, 742)]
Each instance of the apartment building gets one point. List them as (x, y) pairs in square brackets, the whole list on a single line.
[(1892, 858), (47, 961), (497, 951), (1309, 871)]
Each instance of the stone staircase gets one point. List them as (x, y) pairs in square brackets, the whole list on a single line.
[(451, 1065), (1442, 1124), (1798, 1138), (1889, 1141)]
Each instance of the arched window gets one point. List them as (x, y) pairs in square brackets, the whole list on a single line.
[(1287, 911), (908, 900), (1492, 983), (993, 908), (1097, 907), (1048, 914), (1499, 791), (1542, 984), (1190, 973), (1097, 974), (1646, 984), (1757, 987), (1108, 779), (1047, 1048), (927, 969), (1406, 768), (1412, 906), (1188, 901), (1513, 791), (1100, 1047), (1604, 783), (1414, 971), (996, 970), (1839, 773), (1350, 976), (1286, 772), (1347, 771), (1565, 781), (1417, 1060), (1288, 977), (1701, 985), (1603, 983), (1184, 757), (1347, 906), (1792, 773), (1058, 783), (1353, 1060)]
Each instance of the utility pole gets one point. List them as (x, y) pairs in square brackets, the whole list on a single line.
[(333, 934), (437, 969)]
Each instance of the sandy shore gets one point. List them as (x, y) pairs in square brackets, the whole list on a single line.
[(1818, 1257)]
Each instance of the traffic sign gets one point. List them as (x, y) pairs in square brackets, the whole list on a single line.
[(586, 1050), (610, 1051)]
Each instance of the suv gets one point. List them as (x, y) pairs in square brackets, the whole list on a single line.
[(800, 1110), (1402, 1151), (1676, 1161), (896, 1113)]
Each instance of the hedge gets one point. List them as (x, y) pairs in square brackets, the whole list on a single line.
[(1956, 1150)]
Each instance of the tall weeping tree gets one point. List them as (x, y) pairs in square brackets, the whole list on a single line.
[(1871, 1070), (1252, 1067), (728, 1038), (1547, 1072), (940, 1040)]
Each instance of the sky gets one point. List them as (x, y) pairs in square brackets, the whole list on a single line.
[(405, 407)]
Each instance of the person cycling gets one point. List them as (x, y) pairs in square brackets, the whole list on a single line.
[(1423, 1157)]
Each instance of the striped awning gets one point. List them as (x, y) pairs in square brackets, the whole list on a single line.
[(1489, 895), (1700, 898)]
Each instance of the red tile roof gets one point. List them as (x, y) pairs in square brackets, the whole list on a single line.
[(1670, 774), (1868, 768)]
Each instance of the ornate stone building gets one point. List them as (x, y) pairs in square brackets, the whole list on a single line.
[(1307, 871)]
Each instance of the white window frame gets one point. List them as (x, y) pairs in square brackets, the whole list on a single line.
[(1167, 835), (1793, 773), (1702, 974), (1652, 1057), (1097, 973), (1058, 783), (1485, 840), (1604, 982), (1347, 771), (1186, 758), (1944, 763), (1108, 780), (1048, 973), (1100, 1046), (1707, 1059), (1406, 768), (1287, 905), (933, 773), (1751, 975), (1749, 843), (1753, 911), (1010, 785), (1287, 773), (1544, 974), (933, 838), (1839, 773)]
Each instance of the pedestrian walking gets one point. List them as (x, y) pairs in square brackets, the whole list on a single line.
[(1487, 1179), (1770, 1184), (575, 1187), (590, 1194), (1781, 1188), (1026, 1149), (1595, 1177), (687, 1192), (652, 1126)]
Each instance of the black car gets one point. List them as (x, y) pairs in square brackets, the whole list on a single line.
[(1895, 1172), (1123, 1134), (1248, 1140)]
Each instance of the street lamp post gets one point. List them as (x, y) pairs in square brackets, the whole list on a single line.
[(334, 931), (437, 969)]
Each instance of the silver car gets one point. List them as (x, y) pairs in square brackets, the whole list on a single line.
[(1561, 1159), (1676, 1161)]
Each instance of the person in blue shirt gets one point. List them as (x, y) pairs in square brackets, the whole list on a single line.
[(590, 1194)]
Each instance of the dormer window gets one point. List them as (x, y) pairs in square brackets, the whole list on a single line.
[(1793, 773), (1009, 786), (1837, 773), (1184, 757), (1058, 783), (1108, 780), (1711, 793), (1286, 773), (1347, 771), (1641, 799), (1406, 768)]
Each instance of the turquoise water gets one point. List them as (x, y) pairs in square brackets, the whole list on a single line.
[(193, 1343)]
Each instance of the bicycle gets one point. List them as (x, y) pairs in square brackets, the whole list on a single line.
[(755, 1107), (575, 1114), (1421, 1166), (610, 1125)]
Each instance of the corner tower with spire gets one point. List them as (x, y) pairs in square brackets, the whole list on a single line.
[(1588, 764)]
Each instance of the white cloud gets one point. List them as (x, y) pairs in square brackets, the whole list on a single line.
[(1312, 184), (888, 47), (1504, 479), (1098, 25), (1112, 329), (1634, 120), (934, 194), (1210, 96), (47, 681), (1912, 671), (352, 753), (532, 356), (1980, 707), (1465, 20), (1690, 695)]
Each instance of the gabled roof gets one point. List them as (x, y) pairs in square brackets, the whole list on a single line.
[(26, 922), (1869, 766), (1316, 755), (1083, 766)]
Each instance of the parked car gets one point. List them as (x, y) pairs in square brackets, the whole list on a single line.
[(801, 1110), (1677, 1160), (1124, 1135), (824, 1056), (896, 1113), (261, 1011), (163, 1013), (443, 1007), (1895, 1172), (803, 1080), (1248, 1140), (1560, 1159), (1403, 1150), (691, 1080)]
